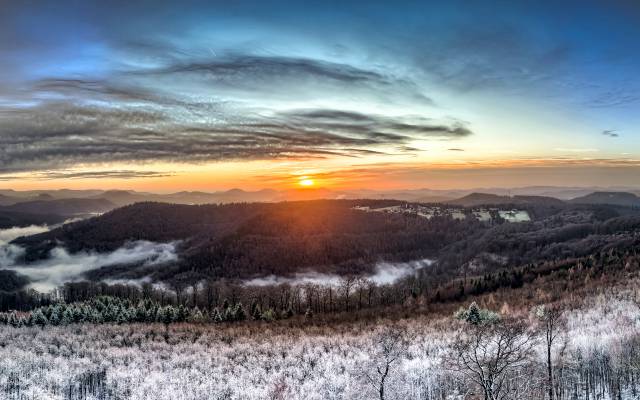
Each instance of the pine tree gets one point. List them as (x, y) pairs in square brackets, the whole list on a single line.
[(182, 314), (473, 314), (67, 316), (140, 313), (14, 320), (228, 314), (78, 314), (38, 318), (256, 313), (122, 317), (168, 315), (56, 315), (196, 316), (216, 316), (240, 315)]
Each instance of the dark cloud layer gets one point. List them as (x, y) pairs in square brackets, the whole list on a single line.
[(62, 134)]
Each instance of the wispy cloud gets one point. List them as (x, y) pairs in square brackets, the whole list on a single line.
[(576, 150), (54, 135), (610, 133)]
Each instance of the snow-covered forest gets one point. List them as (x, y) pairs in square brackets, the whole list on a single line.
[(595, 354)]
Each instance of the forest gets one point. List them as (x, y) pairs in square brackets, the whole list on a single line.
[(587, 348)]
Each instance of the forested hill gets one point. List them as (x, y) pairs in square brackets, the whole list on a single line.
[(336, 236), (243, 240)]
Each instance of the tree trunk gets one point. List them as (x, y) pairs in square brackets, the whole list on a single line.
[(550, 371)]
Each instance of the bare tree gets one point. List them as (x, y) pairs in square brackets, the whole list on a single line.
[(347, 285), (390, 346), (491, 356), (551, 324)]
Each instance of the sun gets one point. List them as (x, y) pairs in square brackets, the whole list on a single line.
[(306, 182)]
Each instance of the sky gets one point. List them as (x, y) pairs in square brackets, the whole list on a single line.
[(210, 95)]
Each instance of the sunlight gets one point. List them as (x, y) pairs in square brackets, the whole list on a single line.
[(306, 182)]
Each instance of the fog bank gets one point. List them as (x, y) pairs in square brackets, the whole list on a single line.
[(61, 266), (385, 273)]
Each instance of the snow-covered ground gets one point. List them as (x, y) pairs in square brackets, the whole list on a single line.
[(599, 350)]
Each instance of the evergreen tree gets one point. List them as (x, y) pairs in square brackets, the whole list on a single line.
[(78, 314), (140, 314), (196, 316), (240, 315), (228, 314), (216, 316), (168, 315), (39, 318), (56, 315), (252, 308), (122, 317), (15, 320), (473, 314), (256, 313)]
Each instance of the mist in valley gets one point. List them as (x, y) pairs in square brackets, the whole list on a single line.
[(61, 266)]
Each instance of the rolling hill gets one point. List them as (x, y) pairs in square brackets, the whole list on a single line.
[(613, 198), (66, 207), (482, 199)]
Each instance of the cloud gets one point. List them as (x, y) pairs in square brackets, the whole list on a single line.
[(576, 150), (107, 174), (247, 74), (610, 133), (55, 135), (500, 56), (614, 97)]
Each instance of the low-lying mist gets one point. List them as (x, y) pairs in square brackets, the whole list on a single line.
[(385, 273), (61, 266)]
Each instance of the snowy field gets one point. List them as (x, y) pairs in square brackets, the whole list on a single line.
[(597, 357)]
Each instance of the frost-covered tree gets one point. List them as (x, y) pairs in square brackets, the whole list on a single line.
[(490, 355), (552, 324), (389, 347)]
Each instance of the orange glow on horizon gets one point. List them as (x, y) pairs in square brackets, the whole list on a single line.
[(306, 182), (340, 174)]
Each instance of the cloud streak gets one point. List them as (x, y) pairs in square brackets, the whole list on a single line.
[(62, 135)]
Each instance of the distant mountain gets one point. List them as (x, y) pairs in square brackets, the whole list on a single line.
[(122, 197), (66, 207), (481, 199), (8, 200), (10, 219), (28, 195), (612, 198)]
